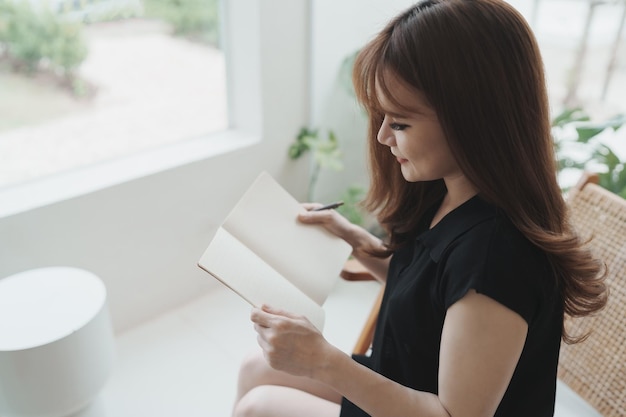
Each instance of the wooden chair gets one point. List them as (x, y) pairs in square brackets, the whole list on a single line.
[(354, 271), (596, 368)]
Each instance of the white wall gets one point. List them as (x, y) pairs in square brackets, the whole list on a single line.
[(338, 29), (143, 235)]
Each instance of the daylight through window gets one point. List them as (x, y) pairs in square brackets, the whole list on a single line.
[(85, 81)]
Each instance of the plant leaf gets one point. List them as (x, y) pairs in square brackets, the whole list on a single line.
[(576, 114)]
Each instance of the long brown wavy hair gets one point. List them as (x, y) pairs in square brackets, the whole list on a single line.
[(479, 66)]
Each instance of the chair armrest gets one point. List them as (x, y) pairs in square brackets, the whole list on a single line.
[(353, 270)]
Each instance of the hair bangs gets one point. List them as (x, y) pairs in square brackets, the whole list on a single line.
[(365, 77)]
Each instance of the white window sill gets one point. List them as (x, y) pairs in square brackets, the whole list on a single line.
[(31, 195)]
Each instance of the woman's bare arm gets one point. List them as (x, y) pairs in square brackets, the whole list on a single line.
[(481, 344)]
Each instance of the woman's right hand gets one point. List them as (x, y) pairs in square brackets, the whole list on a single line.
[(359, 238), (331, 220), (362, 241)]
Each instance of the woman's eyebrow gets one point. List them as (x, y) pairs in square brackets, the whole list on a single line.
[(401, 112), (394, 113), (408, 112)]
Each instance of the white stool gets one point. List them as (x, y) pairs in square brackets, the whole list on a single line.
[(56, 343)]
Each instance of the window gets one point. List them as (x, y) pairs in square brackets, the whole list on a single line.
[(268, 99), (128, 76)]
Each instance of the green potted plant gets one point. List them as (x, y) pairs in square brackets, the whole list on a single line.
[(583, 144), (324, 149)]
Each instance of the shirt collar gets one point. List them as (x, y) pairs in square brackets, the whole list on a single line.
[(454, 224)]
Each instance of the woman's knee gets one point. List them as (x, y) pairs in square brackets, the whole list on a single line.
[(254, 370), (254, 403), (280, 401)]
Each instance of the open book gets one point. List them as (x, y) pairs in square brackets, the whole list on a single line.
[(266, 256)]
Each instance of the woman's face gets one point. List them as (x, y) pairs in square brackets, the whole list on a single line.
[(414, 136)]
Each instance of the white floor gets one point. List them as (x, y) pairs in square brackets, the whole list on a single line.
[(185, 362)]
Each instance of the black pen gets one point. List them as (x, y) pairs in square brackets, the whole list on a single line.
[(329, 206)]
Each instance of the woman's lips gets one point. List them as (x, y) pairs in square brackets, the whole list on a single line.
[(399, 159)]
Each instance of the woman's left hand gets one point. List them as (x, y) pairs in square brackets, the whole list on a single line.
[(290, 343)]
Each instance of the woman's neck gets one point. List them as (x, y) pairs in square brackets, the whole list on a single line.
[(459, 190)]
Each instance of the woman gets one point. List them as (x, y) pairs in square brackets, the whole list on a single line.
[(481, 264)]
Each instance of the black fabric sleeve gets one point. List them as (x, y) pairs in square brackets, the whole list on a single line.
[(496, 260)]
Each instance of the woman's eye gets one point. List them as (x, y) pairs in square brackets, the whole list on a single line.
[(397, 126)]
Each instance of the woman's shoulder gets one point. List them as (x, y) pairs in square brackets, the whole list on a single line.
[(497, 240), (495, 258), (474, 226), (495, 246)]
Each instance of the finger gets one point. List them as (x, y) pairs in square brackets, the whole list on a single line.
[(263, 344), (260, 330), (260, 317), (279, 312), (324, 216), (311, 206), (262, 337)]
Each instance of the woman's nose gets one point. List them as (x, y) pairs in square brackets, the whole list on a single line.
[(385, 134)]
